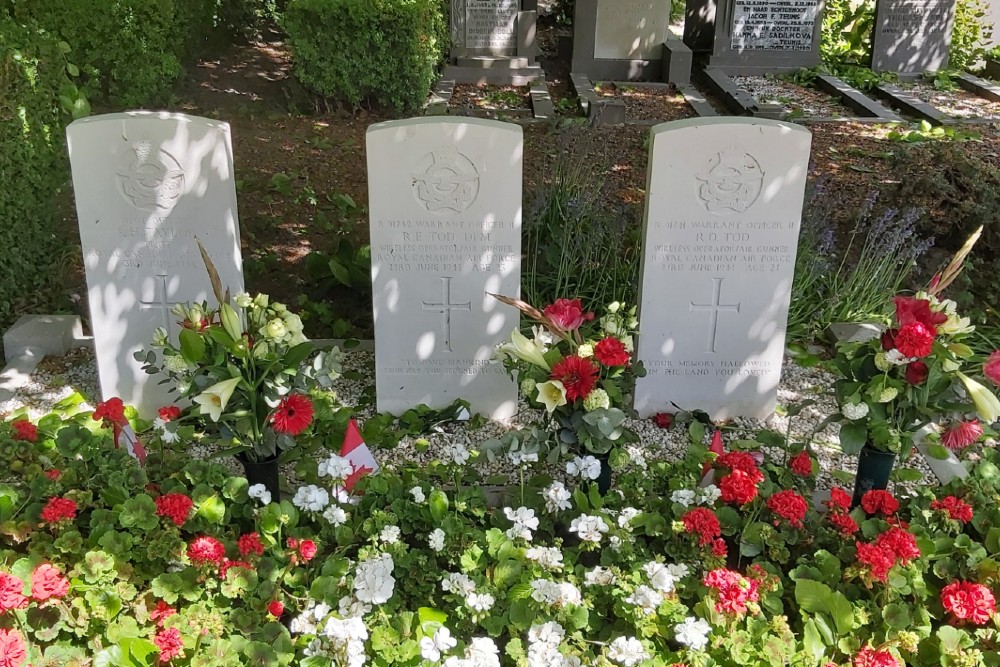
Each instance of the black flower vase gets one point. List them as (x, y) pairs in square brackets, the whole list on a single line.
[(604, 479), (874, 469), (263, 472)]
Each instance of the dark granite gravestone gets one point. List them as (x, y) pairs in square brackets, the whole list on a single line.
[(620, 39), (493, 41), (755, 36), (912, 36)]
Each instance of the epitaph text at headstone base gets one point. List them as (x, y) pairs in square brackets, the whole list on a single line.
[(912, 36), (148, 187), (724, 206), (445, 221), (774, 25), (491, 25), (631, 29)]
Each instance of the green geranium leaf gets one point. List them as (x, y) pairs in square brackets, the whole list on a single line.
[(431, 619), (192, 346), (896, 615)]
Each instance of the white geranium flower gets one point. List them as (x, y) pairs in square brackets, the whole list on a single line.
[(627, 651), (586, 467), (335, 515), (556, 595), (683, 497), (436, 540), (550, 634), (431, 648), (626, 515), (349, 606), (550, 558), (519, 457), (418, 494), (373, 580), (646, 599), (693, 633), (169, 435), (456, 453), (637, 456), (260, 492), (335, 467), (311, 498), (458, 583), (524, 521), (556, 497), (390, 534), (708, 495), (479, 602), (599, 576), (589, 528), (483, 652)]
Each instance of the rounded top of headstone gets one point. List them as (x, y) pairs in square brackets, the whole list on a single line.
[(727, 122), (497, 125), (151, 115)]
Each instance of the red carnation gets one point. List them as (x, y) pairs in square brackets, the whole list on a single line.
[(162, 612), (901, 543), (733, 591), (611, 352), (275, 608), (878, 560), (174, 506), (59, 509), (991, 369), (13, 651), (877, 500), (24, 430), (961, 434), (11, 593), (910, 310), (843, 522), (567, 314), (704, 523), (915, 340), (801, 464), (48, 582), (111, 411), (839, 499), (293, 414), (169, 413), (206, 550), (250, 544), (789, 505), (968, 601), (740, 461), (170, 644), (872, 657), (738, 487), (916, 373), (957, 509), (577, 375), (307, 549), (663, 419)]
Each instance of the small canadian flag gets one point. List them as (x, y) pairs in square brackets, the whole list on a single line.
[(126, 437), (356, 451)]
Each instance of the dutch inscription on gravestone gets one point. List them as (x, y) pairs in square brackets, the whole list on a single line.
[(774, 25), (912, 36), (719, 243), (631, 29), (491, 25), (148, 186), (445, 221)]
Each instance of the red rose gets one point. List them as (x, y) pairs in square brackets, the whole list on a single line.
[(174, 506), (901, 543), (878, 560), (250, 544), (11, 593), (738, 487), (293, 414), (733, 591), (59, 509), (843, 522), (801, 464), (48, 582), (206, 550), (292, 543), (663, 419), (789, 506), (13, 651), (909, 310), (307, 549), (915, 340), (567, 314), (956, 509), (968, 601), (916, 373), (704, 523), (991, 369), (169, 413), (872, 657), (839, 498), (877, 500), (611, 352), (24, 430), (275, 608), (162, 612), (170, 644), (577, 375), (111, 411)]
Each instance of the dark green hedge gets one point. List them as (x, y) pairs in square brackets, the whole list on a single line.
[(378, 52), (34, 95)]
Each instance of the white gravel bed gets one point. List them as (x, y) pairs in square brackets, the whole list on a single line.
[(795, 99), (57, 378), (958, 103)]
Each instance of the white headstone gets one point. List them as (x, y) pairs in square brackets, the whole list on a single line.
[(148, 186), (445, 217), (631, 29), (723, 210)]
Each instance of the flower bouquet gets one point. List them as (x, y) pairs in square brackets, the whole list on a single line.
[(578, 368)]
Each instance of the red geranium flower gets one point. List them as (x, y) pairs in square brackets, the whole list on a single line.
[(801, 464), (275, 608), (174, 506), (719, 547), (577, 375), (961, 434), (957, 509), (611, 352), (206, 550), (24, 430), (13, 651), (293, 414), (901, 543), (48, 582), (11, 593), (704, 523), (968, 601), (169, 413), (991, 369), (663, 419), (59, 509), (872, 657), (740, 461), (878, 560), (738, 487), (843, 522), (877, 500), (111, 411), (162, 612), (839, 499), (916, 373), (170, 644), (915, 340), (733, 591), (567, 314), (250, 544), (52, 474), (789, 505), (307, 549)]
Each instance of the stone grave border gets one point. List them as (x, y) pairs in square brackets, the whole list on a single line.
[(542, 108), (604, 111), (911, 105), (983, 87)]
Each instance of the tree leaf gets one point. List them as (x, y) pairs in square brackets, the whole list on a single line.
[(853, 437)]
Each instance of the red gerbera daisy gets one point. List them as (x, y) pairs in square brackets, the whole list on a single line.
[(961, 434), (611, 352), (577, 375), (293, 414)]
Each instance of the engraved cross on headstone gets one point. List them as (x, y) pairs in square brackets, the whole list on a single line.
[(714, 308), (160, 301), (446, 308)]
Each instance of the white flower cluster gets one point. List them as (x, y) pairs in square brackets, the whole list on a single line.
[(626, 515), (627, 651), (599, 576), (167, 429), (543, 646), (693, 633), (556, 497), (524, 521), (589, 528), (555, 594), (586, 467), (336, 467), (436, 540), (550, 558), (479, 602), (703, 496), (456, 453), (637, 456), (431, 648), (647, 599), (390, 534), (458, 583), (260, 492), (311, 498), (335, 515), (418, 494), (522, 458), (709, 494), (665, 578), (683, 497), (349, 606), (347, 635), (307, 622), (373, 580), (854, 411), (481, 652)]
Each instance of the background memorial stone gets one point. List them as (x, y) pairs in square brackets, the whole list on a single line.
[(148, 185), (911, 37), (445, 219), (620, 39), (723, 209), (493, 41)]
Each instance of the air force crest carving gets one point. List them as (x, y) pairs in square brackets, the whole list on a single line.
[(448, 181), (732, 182), (153, 178)]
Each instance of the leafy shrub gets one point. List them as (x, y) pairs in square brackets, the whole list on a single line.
[(971, 34), (381, 52), (35, 94)]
